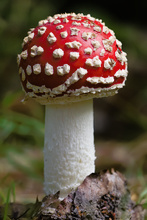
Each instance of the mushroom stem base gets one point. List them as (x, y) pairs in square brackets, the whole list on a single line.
[(69, 153)]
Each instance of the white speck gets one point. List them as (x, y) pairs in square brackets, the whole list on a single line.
[(97, 28), (31, 36), (76, 17), (18, 59), (56, 16), (89, 62), (23, 75), (93, 80), (95, 62), (36, 51), (81, 72), (57, 21), (88, 50), (105, 29), (74, 55), (109, 64), (59, 27), (121, 73), (112, 39), (86, 24), (59, 89), (25, 41), (76, 23), (30, 31), (107, 45), (37, 69), (88, 35), (33, 51), (73, 79), (96, 44), (74, 31), (66, 68), (40, 50), (51, 38), (76, 76), (96, 80), (42, 22), (102, 52), (90, 18), (73, 44), (24, 54), (41, 30), (50, 19), (119, 43), (65, 20), (29, 70), (49, 70), (64, 34), (20, 70), (121, 56), (62, 70), (118, 55), (112, 32), (58, 53)]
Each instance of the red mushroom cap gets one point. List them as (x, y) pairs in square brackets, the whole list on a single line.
[(71, 57)]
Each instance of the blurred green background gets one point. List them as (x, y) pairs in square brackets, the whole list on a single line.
[(120, 121)]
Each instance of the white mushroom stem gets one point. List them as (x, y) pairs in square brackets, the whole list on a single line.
[(69, 153)]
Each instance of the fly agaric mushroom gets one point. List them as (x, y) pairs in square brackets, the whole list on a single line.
[(66, 61)]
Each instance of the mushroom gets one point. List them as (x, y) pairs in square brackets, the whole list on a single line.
[(66, 61)]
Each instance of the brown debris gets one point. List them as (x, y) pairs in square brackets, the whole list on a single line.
[(102, 196)]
